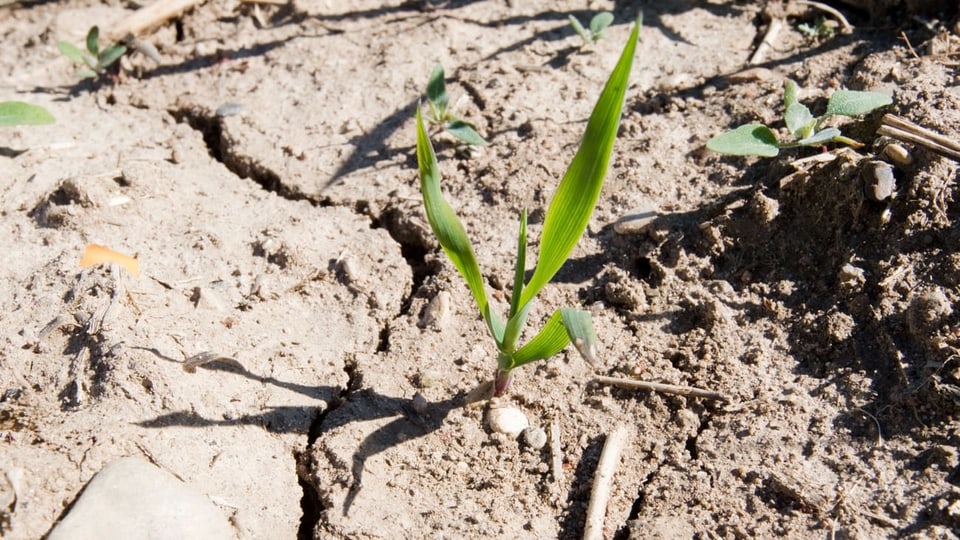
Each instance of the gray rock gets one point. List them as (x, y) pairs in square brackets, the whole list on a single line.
[(638, 220), (131, 498), (878, 181)]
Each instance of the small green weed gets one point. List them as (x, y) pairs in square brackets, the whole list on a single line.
[(820, 29), (18, 113), (93, 62), (759, 140), (564, 224), (440, 114), (598, 24)]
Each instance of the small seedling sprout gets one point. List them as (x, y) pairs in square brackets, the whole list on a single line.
[(439, 112), (598, 24), (566, 219), (93, 61), (18, 113), (807, 130)]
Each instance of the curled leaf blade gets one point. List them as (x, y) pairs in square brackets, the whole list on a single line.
[(820, 137), (448, 228)]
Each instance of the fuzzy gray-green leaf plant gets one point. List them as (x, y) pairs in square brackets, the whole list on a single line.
[(439, 112), (566, 219), (805, 129), (93, 61)]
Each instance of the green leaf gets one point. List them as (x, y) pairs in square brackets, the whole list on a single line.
[(579, 29), (820, 137), (448, 229), (563, 327), (18, 113), (746, 140), (600, 22), (520, 267), (573, 203), (551, 339), (799, 120), (789, 93), (72, 52), (854, 103), (437, 92), (85, 73), (462, 130), (93, 40), (111, 55), (579, 327)]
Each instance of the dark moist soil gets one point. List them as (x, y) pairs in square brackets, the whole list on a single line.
[(264, 175)]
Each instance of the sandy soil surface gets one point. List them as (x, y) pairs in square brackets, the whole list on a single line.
[(264, 175)]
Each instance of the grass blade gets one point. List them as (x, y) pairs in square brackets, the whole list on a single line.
[(448, 229), (521, 266), (563, 327), (577, 195), (18, 113)]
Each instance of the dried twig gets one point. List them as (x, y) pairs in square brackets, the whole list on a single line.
[(191, 364), (688, 391), (773, 30), (904, 130), (556, 453), (152, 15), (602, 480)]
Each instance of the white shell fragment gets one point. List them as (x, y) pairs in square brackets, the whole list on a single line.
[(509, 421), (878, 181)]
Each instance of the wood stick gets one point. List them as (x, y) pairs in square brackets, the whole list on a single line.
[(602, 480), (905, 130), (556, 453), (151, 15), (663, 388), (773, 30)]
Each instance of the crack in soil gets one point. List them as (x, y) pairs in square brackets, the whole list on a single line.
[(311, 503), (210, 126)]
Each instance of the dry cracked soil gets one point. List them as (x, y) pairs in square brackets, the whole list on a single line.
[(263, 173)]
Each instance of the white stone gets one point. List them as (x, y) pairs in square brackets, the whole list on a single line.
[(507, 420), (130, 498)]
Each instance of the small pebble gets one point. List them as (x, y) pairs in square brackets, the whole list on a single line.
[(536, 438), (897, 154), (437, 313), (878, 181), (419, 404), (509, 421), (637, 220), (229, 109)]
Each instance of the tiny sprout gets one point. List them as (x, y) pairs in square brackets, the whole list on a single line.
[(439, 113), (566, 220), (598, 24), (18, 113), (93, 62), (759, 140)]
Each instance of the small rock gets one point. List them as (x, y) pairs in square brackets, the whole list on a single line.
[(536, 438), (636, 221), (131, 498), (437, 313), (897, 154), (509, 421), (419, 404), (878, 181)]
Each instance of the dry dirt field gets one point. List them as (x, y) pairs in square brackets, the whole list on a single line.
[(264, 174)]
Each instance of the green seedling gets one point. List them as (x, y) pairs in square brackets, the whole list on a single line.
[(18, 113), (759, 140), (598, 24), (440, 114), (564, 224), (820, 29), (93, 61)]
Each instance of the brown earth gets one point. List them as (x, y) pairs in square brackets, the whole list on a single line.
[(264, 175)]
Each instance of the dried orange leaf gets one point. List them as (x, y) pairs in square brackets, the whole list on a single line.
[(96, 254)]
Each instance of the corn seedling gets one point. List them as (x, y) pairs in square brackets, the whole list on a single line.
[(18, 113), (759, 140), (566, 219), (439, 112), (93, 61), (598, 24)]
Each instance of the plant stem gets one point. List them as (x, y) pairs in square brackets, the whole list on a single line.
[(501, 385)]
